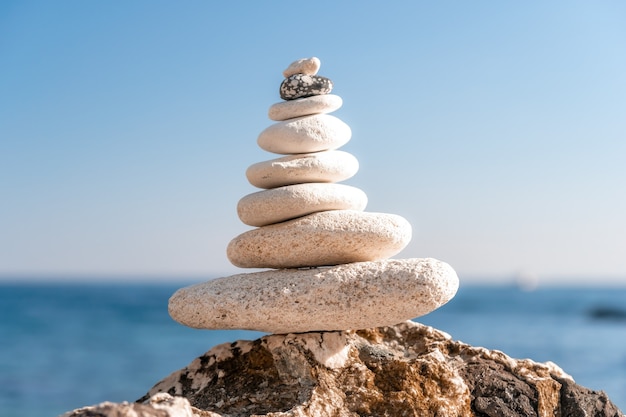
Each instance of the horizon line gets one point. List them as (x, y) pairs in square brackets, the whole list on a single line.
[(560, 280)]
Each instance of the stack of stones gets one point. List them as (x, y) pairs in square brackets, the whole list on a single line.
[(329, 225), (328, 258)]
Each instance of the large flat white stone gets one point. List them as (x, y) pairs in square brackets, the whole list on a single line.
[(283, 203), (319, 239), (326, 166), (319, 132), (351, 296)]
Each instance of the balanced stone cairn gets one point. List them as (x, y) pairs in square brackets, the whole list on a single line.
[(328, 258)]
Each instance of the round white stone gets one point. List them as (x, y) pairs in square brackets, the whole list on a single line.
[(305, 134), (323, 238), (326, 166), (344, 297), (284, 203), (308, 66), (325, 103)]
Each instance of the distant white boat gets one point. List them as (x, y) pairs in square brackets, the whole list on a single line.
[(526, 281)]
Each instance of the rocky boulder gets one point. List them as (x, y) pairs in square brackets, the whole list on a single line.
[(403, 370)]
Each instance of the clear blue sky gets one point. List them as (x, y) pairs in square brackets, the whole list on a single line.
[(498, 129)]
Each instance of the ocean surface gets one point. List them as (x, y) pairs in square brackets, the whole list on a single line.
[(63, 346)]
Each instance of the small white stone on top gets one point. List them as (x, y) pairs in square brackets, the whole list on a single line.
[(308, 66)]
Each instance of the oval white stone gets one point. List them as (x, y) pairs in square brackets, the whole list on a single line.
[(326, 166), (283, 203), (325, 103), (344, 297), (323, 238), (308, 66), (305, 134)]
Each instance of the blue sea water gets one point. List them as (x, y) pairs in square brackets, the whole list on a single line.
[(63, 346)]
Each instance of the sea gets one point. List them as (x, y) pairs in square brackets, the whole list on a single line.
[(68, 345)]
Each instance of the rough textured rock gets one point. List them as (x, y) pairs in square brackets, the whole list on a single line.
[(352, 296), (284, 110), (321, 239), (284, 203), (302, 85), (326, 166), (159, 405), (405, 370), (308, 66), (305, 134)]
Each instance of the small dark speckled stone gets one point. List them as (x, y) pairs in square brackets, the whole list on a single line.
[(301, 85)]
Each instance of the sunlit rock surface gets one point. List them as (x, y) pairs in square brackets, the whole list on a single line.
[(404, 370)]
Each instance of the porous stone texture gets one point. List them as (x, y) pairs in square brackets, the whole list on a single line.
[(159, 405), (404, 370), (308, 66), (284, 203), (326, 166), (349, 296), (284, 110), (305, 134), (320, 239), (302, 85)]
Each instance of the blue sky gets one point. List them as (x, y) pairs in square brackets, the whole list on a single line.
[(496, 128)]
